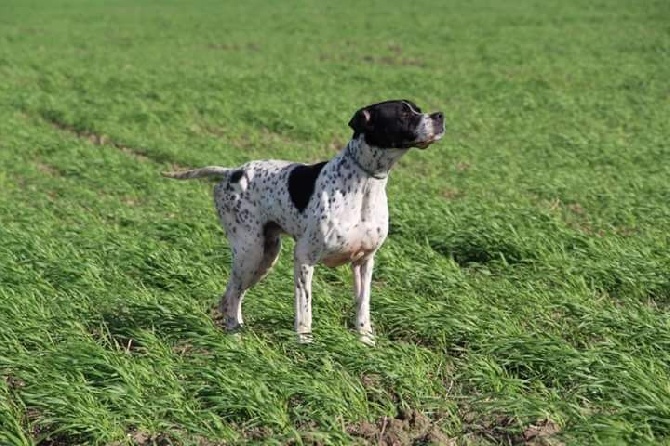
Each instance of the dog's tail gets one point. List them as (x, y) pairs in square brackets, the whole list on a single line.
[(214, 173)]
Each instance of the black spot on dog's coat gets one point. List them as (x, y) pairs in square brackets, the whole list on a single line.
[(301, 182), (236, 176)]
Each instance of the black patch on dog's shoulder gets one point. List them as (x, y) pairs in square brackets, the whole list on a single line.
[(236, 176), (301, 182)]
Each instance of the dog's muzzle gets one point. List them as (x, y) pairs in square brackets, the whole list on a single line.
[(436, 130)]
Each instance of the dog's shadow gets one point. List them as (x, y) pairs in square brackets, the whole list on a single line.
[(467, 251), (125, 325)]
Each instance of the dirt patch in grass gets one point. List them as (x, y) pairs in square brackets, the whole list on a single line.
[(451, 193), (394, 60), (142, 438), (251, 46), (171, 437), (408, 427), (58, 440), (576, 216), (47, 169), (14, 382), (507, 430), (463, 166), (41, 433), (543, 432), (573, 214), (131, 201)]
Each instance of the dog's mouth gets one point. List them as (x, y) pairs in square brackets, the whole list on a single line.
[(431, 139), (435, 132)]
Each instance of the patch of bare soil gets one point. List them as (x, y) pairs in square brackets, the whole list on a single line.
[(47, 169), (410, 427), (463, 166), (248, 47), (142, 438), (505, 430), (394, 60), (542, 433), (451, 193)]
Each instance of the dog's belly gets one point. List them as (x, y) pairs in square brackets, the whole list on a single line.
[(341, 258), (353, 245)]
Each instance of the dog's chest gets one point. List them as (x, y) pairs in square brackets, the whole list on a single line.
[(354, 220)]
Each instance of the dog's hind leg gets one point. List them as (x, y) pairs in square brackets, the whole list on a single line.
[(254, 254), (271, 249), (248, 255)]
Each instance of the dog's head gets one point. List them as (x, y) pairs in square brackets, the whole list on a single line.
[(397, 124)]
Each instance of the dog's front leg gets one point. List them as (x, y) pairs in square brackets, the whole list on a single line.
[(363, 274), (303, 270), (356, 274)]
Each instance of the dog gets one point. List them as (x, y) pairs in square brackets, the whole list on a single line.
[(336, 210)]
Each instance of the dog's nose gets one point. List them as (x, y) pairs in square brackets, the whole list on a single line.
[(438, 119)]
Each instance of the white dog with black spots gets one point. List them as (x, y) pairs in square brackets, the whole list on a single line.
[(336, 211)]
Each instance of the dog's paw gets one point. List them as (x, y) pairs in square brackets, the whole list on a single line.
[(367, 338), (234, 328), (305, 338)]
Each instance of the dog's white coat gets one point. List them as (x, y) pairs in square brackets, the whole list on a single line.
[(345, 221)]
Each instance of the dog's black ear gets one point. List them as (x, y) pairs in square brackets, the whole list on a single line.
[(360, 122)]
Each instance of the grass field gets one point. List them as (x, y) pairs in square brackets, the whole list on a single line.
[(522, 297)]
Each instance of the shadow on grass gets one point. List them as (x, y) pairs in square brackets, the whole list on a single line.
[(180, 326), (479, 249), (123, 323)]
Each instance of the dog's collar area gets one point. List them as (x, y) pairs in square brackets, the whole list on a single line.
[(373, 174)]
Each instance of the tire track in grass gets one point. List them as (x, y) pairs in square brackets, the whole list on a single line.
[(100, 139)]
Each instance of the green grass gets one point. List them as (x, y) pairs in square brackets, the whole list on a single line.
[(526, 279)]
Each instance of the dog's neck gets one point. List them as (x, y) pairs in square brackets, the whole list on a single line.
[(375, 162)]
